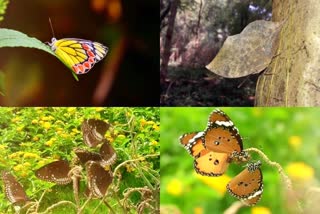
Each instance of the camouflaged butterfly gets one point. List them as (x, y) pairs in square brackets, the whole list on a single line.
[(249, 52)]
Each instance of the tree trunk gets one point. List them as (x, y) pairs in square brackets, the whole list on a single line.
[(168, 39), (293, 77)]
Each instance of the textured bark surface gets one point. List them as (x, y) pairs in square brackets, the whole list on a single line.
[(293, 77)]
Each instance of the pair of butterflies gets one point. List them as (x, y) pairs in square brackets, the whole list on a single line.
[(215, 148), (98, 178)]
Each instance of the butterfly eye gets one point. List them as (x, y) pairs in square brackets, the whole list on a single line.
[(247, 185), (13, 189), (98, 179), (56, 172), (108, 154), (93, 131)]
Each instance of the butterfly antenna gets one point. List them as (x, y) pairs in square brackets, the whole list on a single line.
[(51, 27)]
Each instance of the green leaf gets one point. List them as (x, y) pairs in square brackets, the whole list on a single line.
[(13, 38), (3, 7)]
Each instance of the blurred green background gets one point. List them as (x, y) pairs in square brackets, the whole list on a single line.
[(288, 136), (130, 29)]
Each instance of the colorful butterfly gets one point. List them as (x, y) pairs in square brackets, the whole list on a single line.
[(78, 54)]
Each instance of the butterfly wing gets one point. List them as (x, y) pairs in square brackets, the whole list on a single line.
[(13, 189), (56, 172), (84, 155), (219, 117), (247, 185), (78, 54), (93, 131), (98, 179), (108, 154), (221, 138), (210, 163), (192, 143)]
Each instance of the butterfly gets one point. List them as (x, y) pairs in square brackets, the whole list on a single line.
[(13, 189), (247, 185), (93, 131), (98, 179), (78, 54), (56, 172)]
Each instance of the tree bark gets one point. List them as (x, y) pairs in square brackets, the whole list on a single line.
[(168, 40), (293, 77)]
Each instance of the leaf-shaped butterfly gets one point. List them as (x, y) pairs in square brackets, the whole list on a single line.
[(78, 54)]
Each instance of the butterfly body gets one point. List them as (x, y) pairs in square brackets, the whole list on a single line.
[(78, 54)]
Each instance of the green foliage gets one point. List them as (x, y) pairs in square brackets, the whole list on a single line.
[(32, 137), (275, 131), (3, 7), (13, 38)]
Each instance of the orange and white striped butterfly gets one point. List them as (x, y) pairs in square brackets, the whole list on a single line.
[(78, 54)]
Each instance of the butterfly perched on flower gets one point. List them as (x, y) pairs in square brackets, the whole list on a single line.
[(78, 54)]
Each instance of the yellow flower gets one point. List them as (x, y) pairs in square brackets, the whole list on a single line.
[(15, 154), (3, 147), (35, 138), (34, 121), (174, 187), (59, 129), (48, 143), (217, 183), (156, 127), (51, 117), (260, 210), (18, 167), (129, 168), (26, 164), (30, 155), (76, 131), (198, 210), (24, 174), (128, 113), (72, 109), (45, 118), (143, 122), (300, 171), (98, 109), (64, 135), (150, 122), (295, 142), (154, 143), (46, 125), (16, 119), (20, 128)]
